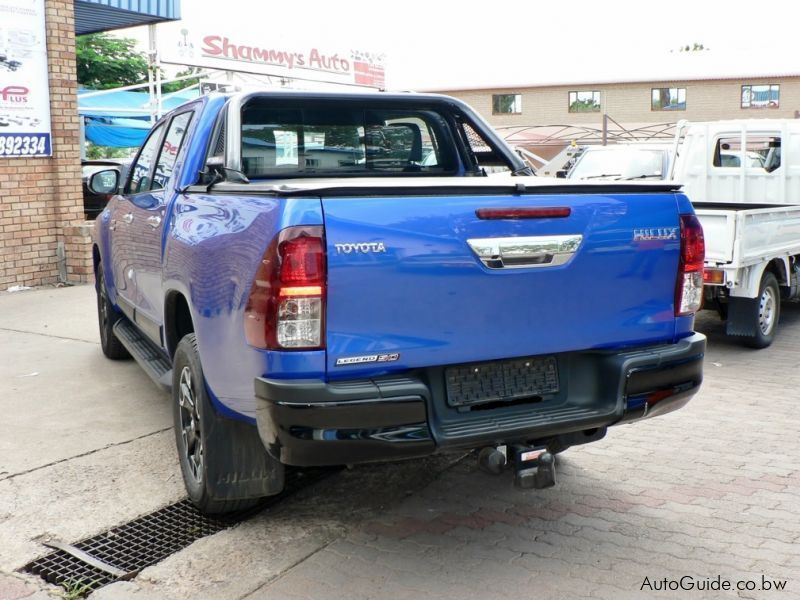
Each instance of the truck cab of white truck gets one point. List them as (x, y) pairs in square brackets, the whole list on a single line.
[(743, 178)]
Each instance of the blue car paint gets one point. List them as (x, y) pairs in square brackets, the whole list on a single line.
[(430, 299), (426, 297), (211, 257)]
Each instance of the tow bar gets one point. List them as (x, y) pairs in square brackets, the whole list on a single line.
[(534, 468)]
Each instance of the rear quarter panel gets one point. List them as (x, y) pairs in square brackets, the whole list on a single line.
[(213, 251)]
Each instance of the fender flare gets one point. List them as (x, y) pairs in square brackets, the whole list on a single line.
[(752, 275)]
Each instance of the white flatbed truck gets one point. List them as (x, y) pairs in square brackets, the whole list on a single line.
[(743, 178)]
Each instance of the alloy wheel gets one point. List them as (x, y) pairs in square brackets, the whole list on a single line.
[(190, 425)]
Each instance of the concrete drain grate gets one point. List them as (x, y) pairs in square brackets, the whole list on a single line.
[(121, 553)]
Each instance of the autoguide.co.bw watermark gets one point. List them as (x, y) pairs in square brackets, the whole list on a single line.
[(716, 584)]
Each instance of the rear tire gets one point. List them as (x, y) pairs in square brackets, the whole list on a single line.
[(107, 317), (766, 313), (224, 464)]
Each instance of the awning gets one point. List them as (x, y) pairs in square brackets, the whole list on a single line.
[(128, 104), (117, 133), (92, 16), (122, 119)]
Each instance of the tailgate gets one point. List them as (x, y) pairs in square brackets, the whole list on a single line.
[(719, 230), (406, 287)]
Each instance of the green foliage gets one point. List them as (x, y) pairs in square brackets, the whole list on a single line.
[(108, 62), (505, 103), (176, 86), (95, 152), (75, 588), (583, 106)]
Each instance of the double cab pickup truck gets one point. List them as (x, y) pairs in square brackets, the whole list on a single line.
[(333, 279)]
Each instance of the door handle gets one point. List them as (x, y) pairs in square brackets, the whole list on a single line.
[(128, 218), (526, 252), (154, 221)]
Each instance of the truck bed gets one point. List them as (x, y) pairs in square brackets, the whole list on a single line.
[(741, 235)]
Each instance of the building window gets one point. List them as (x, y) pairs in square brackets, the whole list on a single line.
[(584, 101), (761, 96), (507, 104), (668, 99)]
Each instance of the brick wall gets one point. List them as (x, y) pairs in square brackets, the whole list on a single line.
[(630, 102), (41, 204)]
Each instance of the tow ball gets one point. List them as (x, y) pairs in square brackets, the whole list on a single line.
[(534, 467)]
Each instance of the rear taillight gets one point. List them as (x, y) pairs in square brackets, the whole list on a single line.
[(689, 287), (286, 306)]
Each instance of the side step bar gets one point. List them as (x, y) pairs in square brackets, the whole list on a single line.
[(149, 357)]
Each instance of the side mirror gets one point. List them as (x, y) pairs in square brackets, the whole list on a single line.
[(104, 182)]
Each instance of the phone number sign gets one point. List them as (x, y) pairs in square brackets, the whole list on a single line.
[(25, 145), (24, 90)]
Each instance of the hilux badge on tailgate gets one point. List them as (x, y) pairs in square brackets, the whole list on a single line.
[(649, 234)]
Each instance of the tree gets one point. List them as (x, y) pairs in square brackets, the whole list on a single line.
[(107, 62), (175, 86), (94, 152)]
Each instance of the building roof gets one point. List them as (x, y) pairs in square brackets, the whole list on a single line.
[(92, 16), (663, 68)]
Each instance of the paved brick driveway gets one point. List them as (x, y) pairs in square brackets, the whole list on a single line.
[(712, 490)]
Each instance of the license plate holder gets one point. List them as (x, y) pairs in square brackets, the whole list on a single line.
[(501, 381)]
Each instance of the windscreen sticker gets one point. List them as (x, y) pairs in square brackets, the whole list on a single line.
[(367, 358)]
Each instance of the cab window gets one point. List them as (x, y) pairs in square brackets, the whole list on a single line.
[(169, 149), (142, 169), (759, 152)]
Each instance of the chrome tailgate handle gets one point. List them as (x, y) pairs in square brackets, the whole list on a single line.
[(526, 252)]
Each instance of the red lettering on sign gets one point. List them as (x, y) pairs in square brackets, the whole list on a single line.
[(211, 48), (14, 93), (219, 46), (222, 47)]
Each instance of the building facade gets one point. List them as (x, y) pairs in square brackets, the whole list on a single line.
[(43, 236), (640, 102), (41, 203)]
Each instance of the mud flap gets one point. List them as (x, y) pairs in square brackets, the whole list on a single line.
[(740, 317)]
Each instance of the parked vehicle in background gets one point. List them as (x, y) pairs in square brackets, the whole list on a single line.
[(114, 172), (620, 162), (314, 290), (743, 178)]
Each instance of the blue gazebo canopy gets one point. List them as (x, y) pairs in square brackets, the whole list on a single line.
[(121, 119)]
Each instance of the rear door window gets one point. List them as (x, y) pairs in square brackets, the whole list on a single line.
[(336, 140)]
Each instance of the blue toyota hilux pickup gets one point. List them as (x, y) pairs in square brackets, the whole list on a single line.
[(331, 279)]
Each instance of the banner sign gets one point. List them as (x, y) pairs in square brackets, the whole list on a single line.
[(24, 89), (236, 52)]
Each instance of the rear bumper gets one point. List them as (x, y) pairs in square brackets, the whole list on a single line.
[(314, 423)]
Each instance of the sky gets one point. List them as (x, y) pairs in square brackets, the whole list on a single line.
[(456, 45)]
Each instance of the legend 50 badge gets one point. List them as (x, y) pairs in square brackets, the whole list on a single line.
[(367, 358)]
